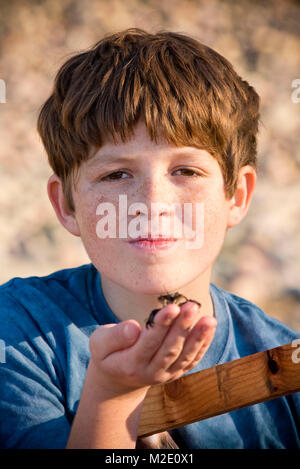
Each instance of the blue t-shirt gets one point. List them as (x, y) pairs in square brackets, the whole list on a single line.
[(45, 325)]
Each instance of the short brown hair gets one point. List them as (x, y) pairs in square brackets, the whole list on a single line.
[(181, 88)]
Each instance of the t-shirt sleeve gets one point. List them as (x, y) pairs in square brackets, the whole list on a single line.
[(32, 401)]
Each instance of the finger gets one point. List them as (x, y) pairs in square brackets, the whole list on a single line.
[(152, 338), (196, 345), (172, 346), (110, 338)]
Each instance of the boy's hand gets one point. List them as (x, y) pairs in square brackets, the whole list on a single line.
[(127, 357)]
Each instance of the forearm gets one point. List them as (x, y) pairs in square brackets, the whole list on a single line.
[(104, 420)]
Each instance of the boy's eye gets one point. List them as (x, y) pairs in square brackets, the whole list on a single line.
[(114, 176), (188, 172), (117, 175)]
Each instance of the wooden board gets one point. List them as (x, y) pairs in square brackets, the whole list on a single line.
[(223, 388)]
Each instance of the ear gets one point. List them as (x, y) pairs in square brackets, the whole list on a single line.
[(240, 202), (57, 198)]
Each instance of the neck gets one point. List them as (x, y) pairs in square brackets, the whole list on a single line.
[(126, 304)]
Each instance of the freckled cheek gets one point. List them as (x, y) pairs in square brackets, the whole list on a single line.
[(87, 220), (214, 226), (208, 210)]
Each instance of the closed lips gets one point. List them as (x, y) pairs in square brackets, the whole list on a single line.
[(152, 239)]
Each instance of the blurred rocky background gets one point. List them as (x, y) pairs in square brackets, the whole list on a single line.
[(261, 257)]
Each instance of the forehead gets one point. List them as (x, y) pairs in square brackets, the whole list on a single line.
[(141, 145)]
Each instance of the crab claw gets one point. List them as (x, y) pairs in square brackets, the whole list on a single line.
[(150, 319)]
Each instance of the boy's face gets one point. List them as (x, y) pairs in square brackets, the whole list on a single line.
[(142, 171)]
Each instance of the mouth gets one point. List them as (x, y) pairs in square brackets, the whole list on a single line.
[(159, 238), (153, 244)]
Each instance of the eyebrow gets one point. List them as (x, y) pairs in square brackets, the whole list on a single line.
[(106, 158)]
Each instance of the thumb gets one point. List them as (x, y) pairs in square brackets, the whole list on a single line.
[(113, 337)]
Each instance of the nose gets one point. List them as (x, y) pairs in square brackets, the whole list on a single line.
[(161, 212), (156, 193), (157, 187)]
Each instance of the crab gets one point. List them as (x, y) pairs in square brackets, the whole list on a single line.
[(176, 298)]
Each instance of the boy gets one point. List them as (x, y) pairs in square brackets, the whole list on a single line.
[(146, 119)]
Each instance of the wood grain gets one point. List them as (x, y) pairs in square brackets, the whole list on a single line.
[(223, 388)]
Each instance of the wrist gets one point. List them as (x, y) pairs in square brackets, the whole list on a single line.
[(107, 416), (106, 387)]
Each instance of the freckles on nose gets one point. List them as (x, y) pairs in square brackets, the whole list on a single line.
[(152, 187)]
